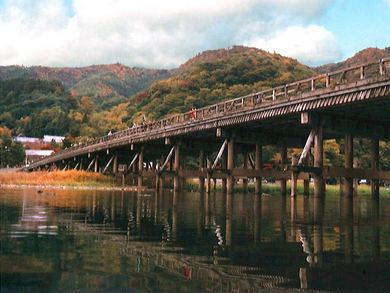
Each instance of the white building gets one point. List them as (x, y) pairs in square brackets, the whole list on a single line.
[(25, 139), (51, 138)]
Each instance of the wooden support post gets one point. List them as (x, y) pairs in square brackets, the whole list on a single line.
[(176, 168), (283, 182), (375, 167), (81, 164), (306, 182), (230, 166), (319, 186), (90, 164), (208, 179), (201, 167), (140, 168), (348, 163), (306, 187), (96, 166), (115, 164), (294, 177), (245, 166), (108, 164), (224, 168), (259, 167)]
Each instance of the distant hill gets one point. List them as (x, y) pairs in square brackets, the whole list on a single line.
[(108, 84), (213, 76), (363, 56), (93, 100)]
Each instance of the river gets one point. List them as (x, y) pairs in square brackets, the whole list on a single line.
[(113, 241)]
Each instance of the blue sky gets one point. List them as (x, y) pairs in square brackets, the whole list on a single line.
[(358, 24), (156, 33)]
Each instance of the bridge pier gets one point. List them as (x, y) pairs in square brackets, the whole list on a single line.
[(224, 169), (283, 182), (140, 168), (230, 166), (294, 177), (115, 164), (348, 164), (245, 166), (375, 167), (258, 167), (319, 186), (176, 168), (201, 168), (96, 164)]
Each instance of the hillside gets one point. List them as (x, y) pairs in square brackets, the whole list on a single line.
[(108, 85), (213, 76), (363, 56), (33, 102)]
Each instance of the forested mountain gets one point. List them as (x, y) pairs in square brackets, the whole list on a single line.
[(108, 85), (76, 101), (213, 76), (363, 56)]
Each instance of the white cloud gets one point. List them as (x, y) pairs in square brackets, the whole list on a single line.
[(147, 33), (311, 45)]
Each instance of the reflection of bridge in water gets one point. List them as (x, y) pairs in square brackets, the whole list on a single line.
[(139, 235)]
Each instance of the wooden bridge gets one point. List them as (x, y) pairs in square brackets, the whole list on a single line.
[(353, 102)]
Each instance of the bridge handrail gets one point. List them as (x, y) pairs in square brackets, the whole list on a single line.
[(287, 91)]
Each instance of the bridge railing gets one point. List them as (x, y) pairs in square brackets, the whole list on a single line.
[(279, 93)]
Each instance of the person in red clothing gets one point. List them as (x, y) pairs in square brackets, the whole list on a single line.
[(193, 113)]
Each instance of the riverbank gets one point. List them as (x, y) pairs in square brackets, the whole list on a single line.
[(71, 178), (74, 179)]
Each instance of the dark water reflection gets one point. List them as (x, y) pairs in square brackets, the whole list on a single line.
[(119, 241)]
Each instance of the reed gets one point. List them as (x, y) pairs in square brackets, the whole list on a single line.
[(66, 178)]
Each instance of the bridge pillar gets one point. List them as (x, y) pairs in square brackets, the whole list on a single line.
[(294, 177), (140, 168), (319, 186), (258, 167), (96, 164), (81, 164), (375, 167), (245, 166), (201, 168), (230, 166), (348, 163), (283, 182), (115, 164), (176, 168), (208, 179), (224, 167)]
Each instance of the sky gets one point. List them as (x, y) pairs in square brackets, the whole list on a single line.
[(165, 33)]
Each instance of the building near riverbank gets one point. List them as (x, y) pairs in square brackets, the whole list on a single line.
[(37, 148)]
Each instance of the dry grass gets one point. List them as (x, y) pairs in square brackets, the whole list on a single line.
[(71, 177)]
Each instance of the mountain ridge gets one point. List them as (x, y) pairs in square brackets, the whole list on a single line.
[(366, 55), (115, 81)]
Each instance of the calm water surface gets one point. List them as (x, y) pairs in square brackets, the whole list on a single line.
[(78, 241)]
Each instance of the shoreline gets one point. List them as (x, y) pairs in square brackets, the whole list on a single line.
[(74, 187)]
